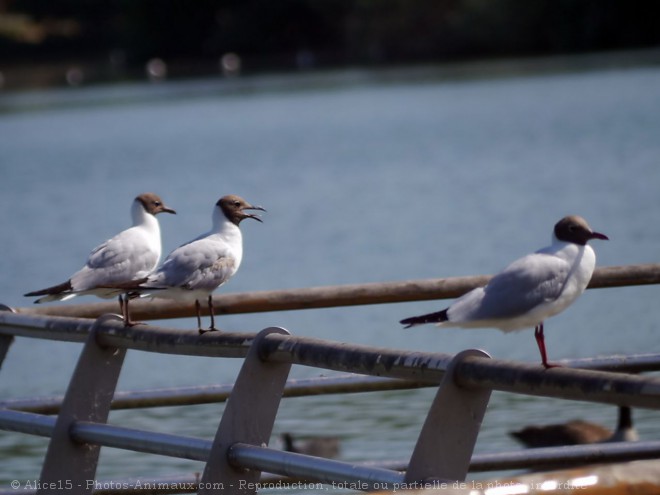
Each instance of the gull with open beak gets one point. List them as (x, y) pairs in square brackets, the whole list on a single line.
[(194, 270)]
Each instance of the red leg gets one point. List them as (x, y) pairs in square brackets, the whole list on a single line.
[(540, 342)]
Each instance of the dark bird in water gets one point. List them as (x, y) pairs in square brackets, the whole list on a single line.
[(578, 432), (327, 447)]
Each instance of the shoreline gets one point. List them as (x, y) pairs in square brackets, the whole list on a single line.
[(198, 84)]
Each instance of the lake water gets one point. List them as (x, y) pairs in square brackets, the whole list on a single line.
[(364, 180)]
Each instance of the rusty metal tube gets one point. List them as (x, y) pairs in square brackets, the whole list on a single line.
[(333, 296)]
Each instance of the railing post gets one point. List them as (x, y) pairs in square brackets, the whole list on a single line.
[(70, 466), (445, 445), (5, 340), (248, 418)]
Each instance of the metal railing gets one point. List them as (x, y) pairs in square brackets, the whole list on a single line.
[(236, 457)]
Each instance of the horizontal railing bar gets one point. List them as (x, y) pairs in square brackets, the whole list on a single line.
[(328, 471), (472, 371), (196, 449), (207, 394), (316, 469), (109, 435), (149, 338), (571, 455), (346, 357), (306, 467), (24, 422), (350, 383), (333, 296), (634, 363), (425, 367), (567, 383), (58, 328), (551, 457), (224, 344)]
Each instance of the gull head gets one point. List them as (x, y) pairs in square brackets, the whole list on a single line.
[(153, 204), (234, 208), (576, 230)]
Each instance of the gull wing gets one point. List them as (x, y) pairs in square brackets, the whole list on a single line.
[(525, 284)]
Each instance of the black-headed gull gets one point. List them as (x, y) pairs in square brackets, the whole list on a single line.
[(194, 270), (530, 289), (128, 257)]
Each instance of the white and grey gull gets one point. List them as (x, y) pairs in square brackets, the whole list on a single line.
[(125, 259), (194, 270), (530, 290)]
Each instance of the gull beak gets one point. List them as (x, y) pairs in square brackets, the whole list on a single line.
[(254, 216), (166, 209), (598, 235)]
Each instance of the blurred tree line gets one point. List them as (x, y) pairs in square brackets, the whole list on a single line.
[(325, 33)]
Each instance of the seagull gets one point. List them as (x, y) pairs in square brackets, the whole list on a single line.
[(578, 432), (126, 258), (194, 270), (530, 289)]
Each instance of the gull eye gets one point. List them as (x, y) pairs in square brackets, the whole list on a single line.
[(237, 203)]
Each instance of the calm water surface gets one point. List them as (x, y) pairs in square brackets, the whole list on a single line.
[(363, 182)]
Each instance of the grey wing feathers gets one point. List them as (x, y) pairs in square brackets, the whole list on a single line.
[(190, 268), (523, 285), (115, 262)]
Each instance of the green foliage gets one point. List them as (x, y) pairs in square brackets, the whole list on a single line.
[(337, 32)]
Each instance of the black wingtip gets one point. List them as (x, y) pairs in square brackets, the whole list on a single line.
[(437, 317), (50, 291), (408, 322)]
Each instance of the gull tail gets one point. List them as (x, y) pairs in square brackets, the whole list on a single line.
[(437, 317), (60, 292)]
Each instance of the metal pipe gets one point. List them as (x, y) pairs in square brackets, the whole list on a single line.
[(472, 371), (196, 449), (65, 329), (336, 473), (23, 422), (350, 383), (567, 383), (410, 365), (306, 467), (416, 366), (550, 457), (568, 456), (333, 296), (207, 394), (114, 334)]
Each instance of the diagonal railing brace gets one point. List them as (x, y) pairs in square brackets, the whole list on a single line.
[(248, 418), (446, 443), (87, 398)]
